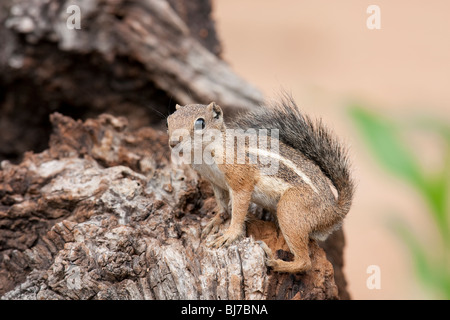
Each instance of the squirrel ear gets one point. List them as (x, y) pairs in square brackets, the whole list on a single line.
[(177, 106), (217, 111)]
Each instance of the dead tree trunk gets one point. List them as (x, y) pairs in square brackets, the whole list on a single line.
[(102, 213), (135, 58)]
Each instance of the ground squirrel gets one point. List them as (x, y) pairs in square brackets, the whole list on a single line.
[(275, 157)]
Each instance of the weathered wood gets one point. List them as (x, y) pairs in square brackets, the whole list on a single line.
[(104, 214), (135, 58)]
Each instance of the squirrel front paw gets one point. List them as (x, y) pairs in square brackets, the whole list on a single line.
[(214, 224), (227, 238)]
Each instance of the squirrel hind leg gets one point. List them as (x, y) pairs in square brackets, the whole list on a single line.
[(294, 221), (301, 262), (278, 265), (295, 266)]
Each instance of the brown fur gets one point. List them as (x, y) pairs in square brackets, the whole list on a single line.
[(299, 193)]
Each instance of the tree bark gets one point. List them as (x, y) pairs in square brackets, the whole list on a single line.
[(101, 212), (104, 214), (131, 57)]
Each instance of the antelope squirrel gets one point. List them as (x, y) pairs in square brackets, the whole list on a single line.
[(311, 166)]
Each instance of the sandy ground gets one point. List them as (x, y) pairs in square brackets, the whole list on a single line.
[(323, 52)]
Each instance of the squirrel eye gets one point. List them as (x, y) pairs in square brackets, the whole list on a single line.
[(199, 124)]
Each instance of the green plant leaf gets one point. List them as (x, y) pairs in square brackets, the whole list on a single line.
[(426, 122), (432, 272), (383, 139), (437, 186), (382, 136)]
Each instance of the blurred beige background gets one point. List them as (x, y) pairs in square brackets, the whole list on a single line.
[(323, 52)]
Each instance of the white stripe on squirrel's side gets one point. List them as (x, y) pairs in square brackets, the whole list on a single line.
[(288, 163)]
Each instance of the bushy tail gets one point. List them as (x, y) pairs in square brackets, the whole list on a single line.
[(311, 138)]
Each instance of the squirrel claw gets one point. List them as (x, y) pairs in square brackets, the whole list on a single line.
[(213, 226), (265, 248), (225, 240), (269, 258)]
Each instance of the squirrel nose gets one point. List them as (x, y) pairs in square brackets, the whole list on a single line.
[(173, 143)]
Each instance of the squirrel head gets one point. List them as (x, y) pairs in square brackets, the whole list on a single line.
[(193, 119)]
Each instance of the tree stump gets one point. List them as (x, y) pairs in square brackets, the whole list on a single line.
[(104, 214), (99, 211)]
